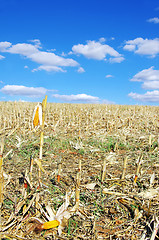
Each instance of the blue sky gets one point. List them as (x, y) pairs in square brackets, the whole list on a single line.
[(80, 51)]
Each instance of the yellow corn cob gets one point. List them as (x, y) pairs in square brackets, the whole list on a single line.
[(50, 224)]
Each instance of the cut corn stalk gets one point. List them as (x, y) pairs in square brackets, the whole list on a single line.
[(124, 169), (59, 172), (37, 202), (77, 196), (79, 173), (104, 170), (138, 168), (27, 185), (31, 167), (78, 184)]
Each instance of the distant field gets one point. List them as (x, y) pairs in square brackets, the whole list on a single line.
[(83, 152)]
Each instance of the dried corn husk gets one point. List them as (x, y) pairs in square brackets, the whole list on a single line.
[(37, 116)]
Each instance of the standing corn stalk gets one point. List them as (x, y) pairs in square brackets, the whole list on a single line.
[(38, 119), (31, 168), (42, 134)]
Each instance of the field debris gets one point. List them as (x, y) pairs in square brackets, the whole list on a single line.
[(79, 171)]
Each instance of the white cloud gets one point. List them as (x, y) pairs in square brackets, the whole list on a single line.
[(130, 47), (151, 96), (1, 57), (146, 75), (142, 46), (109, 76), (80, 70), (49, 61), (48, 69), (26, 67), (95, 50), (82, 98), (102, 39), (151, 85), (153, 20), (17, 90), (116, 59), (132, 44), (63, 54), (77, 98), (4, 46), (150, 79), (24, 49), (36, 42)]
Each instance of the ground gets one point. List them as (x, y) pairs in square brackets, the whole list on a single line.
[(100, 138)]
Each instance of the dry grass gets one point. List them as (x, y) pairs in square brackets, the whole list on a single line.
[(105, 154)]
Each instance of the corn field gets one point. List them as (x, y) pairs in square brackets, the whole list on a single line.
[(90, 171)]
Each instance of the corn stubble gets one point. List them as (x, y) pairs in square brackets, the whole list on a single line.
[(106, 185)]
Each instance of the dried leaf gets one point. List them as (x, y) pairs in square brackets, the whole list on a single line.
[(150, 193), (90, 186)]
